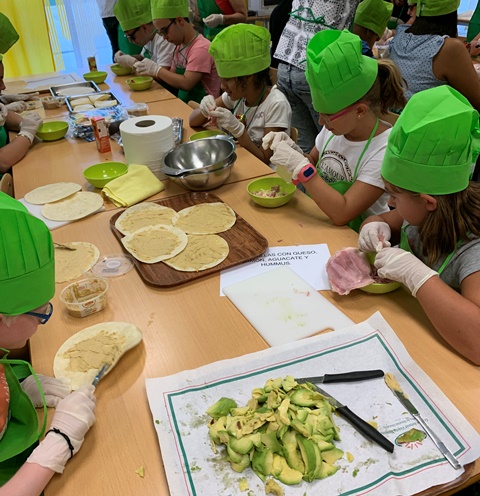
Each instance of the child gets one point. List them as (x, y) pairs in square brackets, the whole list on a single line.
[(426, 170), (193, 70), (349, 90), (248, 108)]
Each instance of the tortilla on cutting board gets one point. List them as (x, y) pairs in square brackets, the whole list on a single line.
[(202, 252), (82, 355), (51, 193), (206, 218), (74, 207), (143, 215), (71, 264), (153, 244)]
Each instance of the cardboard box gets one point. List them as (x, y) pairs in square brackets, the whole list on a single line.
[(100, 130)]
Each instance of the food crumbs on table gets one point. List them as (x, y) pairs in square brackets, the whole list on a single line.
[(157, 421), (350, 457), (271, 487), (140, 471), (373, 424), (243, 484), (413, 435), (392, 383), (355, 472)]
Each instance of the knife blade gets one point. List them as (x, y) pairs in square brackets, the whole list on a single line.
[(100, 374), (438, 443), (365, 428), (359, 375)]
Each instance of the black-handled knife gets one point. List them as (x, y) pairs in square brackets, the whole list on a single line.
[(359, 375), (365, 428)]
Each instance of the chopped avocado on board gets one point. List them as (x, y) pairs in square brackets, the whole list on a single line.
[(286, 431)]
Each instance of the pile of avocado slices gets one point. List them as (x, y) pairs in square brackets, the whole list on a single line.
[(285, 431)]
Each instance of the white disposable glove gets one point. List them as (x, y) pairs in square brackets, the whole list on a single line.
[(3, 114), (18, 98), (228, 121), (146, 67), (374, 236), (213, 20), (272, 139), (74, 416), (16, 106), (53, 390), (124, 59), (30, 124), (400, 265), (289, 158), (207, 105)]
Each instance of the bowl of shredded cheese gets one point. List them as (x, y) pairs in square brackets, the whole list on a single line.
[(271, 192)]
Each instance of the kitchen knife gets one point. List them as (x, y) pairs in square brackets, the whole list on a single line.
[(360, 424), (360, 375), (100, 374), (414, 413)]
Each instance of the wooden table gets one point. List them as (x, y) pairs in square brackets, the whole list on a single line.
[(191, 325), (66, 159)]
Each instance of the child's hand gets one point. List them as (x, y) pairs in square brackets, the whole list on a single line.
[(272, 139), (374, 236), (289, 158), (207, 105), (400, 265)]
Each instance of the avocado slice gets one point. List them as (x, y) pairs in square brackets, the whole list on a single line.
[(262, 462), (233, 455), (298, 426), (332, 455), (218, 425), (309, 456), (242, 445), (221, 408), (326, 470), (242, 465), (270, 441), (284, 473), (291, 452)]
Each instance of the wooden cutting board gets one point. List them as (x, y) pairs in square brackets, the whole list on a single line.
[(283, 308)]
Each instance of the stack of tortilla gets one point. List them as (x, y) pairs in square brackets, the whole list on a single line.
[(186, 241), (64, 201)]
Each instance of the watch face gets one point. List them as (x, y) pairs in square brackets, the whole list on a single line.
[(308, 172)]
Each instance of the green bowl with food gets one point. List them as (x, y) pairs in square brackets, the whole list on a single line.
[(52, 131), (95, 76), (99, 175), (209, 133), (140, 83), (271, 192), (384, 285), (119, 70)]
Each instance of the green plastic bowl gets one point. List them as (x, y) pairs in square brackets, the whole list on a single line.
[(267, 183), (206, 134), (99, 175), (377, 287), (140, 83), (119, 70), (95, 76), (52, 131)]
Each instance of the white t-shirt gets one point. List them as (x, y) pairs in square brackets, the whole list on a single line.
[(160, 50), (106, 7), (341, 157), (274, 111)]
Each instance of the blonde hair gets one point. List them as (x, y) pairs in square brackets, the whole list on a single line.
[(388, 90), (456, 218)]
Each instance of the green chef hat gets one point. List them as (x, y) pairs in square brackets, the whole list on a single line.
[(429, 148), (8, 34), (27, 261), (436, 7), (169, 9), (132, 13), (241, 50), (374, 15), (337, 72)]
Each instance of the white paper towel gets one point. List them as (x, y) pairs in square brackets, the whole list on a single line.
[(146, 140)]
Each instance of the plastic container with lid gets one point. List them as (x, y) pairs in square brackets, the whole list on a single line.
[(85, 297), (138, 109)]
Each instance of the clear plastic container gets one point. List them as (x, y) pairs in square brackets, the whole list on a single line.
[(138, 109), (85, 297)]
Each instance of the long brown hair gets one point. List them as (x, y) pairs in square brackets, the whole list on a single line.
[(456, 218)]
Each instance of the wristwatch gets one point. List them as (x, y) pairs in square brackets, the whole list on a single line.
[(305, 174)]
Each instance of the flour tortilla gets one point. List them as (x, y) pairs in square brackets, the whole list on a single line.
[(105, 103), (82, 355), (51, 193), (202, 252), (74, 207), (71, 264), (143, 215), (153, 244), (98, 97), (75, 90), (206, 218)]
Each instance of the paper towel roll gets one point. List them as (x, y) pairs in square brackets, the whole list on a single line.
[(146, 140)]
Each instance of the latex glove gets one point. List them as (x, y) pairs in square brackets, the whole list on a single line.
[(124, 60), (3, 114), (18, 98), (403, 266), (146, 67), (374, 236), (53, 389), (289, 158), (74, 416), (16, 106), (30, 125), (207, 105), (272, 139), (228, 121), (213, 20)]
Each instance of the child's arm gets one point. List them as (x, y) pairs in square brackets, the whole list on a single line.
[(30, 480)]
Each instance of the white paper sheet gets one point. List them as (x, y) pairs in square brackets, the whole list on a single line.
[(178, 404), (308, 261)]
